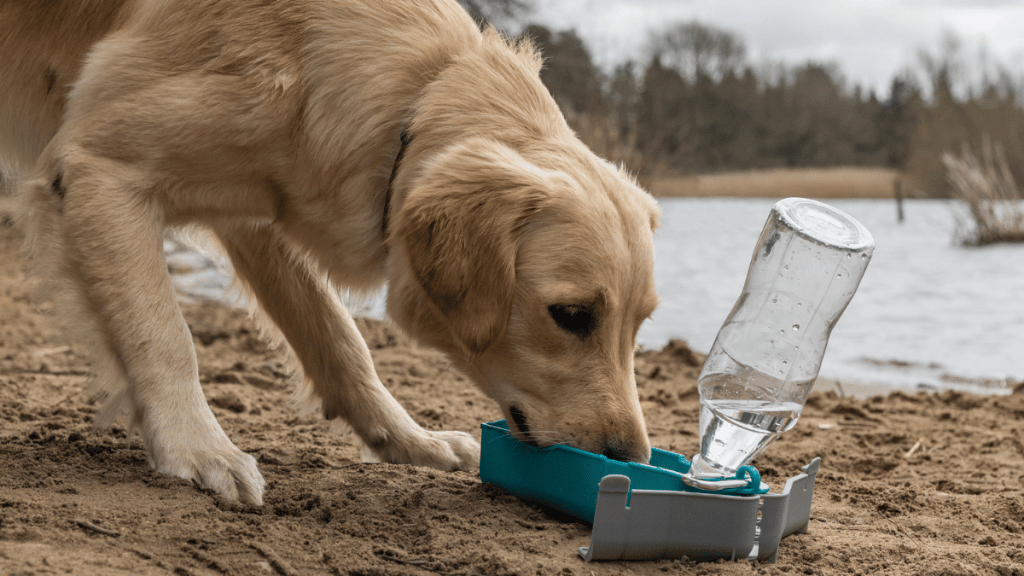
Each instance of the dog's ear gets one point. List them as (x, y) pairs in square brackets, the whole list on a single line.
[(460, 228)]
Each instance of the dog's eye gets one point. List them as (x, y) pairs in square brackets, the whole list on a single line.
[(576, 319)]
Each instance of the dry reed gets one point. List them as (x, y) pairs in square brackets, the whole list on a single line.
[(605, 139), (993, 207)]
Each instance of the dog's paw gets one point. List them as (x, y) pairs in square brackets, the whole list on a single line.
[(447, 451), (225, 470), (464, 451)]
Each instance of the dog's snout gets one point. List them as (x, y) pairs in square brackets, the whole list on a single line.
[(620, 442)]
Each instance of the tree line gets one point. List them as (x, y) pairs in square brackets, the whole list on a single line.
[(695, 104)]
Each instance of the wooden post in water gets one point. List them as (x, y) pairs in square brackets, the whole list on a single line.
[(897, 188)]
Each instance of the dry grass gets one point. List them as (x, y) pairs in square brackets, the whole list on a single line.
[(993, 205), (600, 134), (843, 182)]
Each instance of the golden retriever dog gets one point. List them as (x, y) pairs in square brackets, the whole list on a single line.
[(326, 144)]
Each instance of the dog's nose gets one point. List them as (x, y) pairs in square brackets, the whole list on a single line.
[(616, 453), (625, 452)]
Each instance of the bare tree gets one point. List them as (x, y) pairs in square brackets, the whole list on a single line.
[(501, 13), (944, 70), (696, 49), (569, 72)]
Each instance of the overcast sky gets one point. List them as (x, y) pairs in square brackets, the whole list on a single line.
[(871, 40)]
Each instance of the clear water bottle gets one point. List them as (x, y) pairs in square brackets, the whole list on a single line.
[(805, 269)]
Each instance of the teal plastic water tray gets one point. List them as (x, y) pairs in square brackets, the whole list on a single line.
[(641, 511)]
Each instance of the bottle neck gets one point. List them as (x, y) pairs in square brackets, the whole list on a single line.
[(701, 468)]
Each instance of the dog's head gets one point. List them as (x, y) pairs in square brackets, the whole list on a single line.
[(535, 280)]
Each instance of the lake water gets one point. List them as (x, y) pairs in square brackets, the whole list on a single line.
[(927, 314)]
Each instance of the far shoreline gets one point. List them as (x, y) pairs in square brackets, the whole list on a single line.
[(834, 183)]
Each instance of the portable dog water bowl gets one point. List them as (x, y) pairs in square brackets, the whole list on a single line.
[(642, 512)]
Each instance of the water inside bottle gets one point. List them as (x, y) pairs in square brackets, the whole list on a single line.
[(740, 416)]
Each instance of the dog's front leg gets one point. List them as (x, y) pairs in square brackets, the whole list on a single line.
[(334, 356), (111, 235)]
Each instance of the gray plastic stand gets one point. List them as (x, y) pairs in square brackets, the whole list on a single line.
[(672, 524)]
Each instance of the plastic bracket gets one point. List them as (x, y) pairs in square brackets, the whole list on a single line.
[(651, 524)]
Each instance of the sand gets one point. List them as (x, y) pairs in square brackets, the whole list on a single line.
[(909, 484)]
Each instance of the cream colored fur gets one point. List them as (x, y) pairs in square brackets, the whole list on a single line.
[(276, 125)]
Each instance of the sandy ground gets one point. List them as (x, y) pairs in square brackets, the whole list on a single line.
[(922, 484)]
